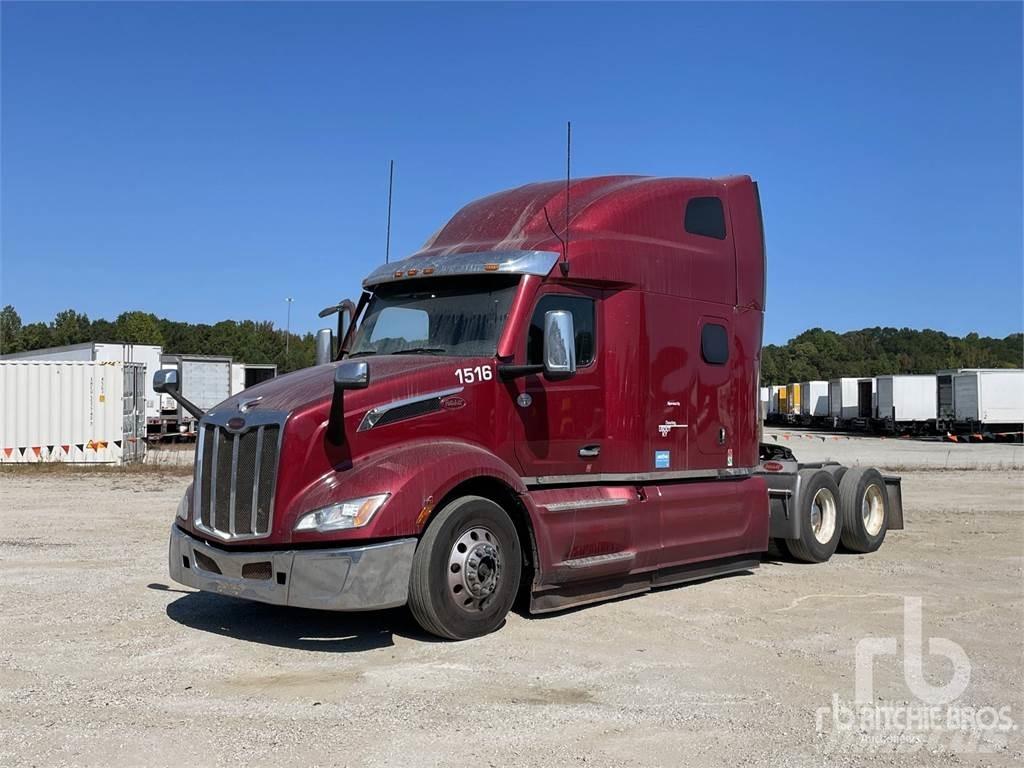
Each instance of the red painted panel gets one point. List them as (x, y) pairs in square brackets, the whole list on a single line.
[(711, 519)]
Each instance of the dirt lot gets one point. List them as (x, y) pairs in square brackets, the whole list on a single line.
[(104, 662)]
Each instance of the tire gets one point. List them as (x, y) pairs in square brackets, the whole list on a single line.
[(820, 519), (865, 507), (837, 471), (466, 570)]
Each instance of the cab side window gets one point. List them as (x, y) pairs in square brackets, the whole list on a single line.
[(583, 320)]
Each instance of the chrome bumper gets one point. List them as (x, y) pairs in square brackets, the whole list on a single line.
[(345, 579)]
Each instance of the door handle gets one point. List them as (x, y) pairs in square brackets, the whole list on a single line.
[(590, 451)]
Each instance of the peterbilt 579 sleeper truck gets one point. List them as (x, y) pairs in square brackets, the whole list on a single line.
[(572, 415)]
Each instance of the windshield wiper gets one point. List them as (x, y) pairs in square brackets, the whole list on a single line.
[(419, 351), (361, 354)]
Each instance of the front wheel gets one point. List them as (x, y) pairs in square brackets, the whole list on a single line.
[(466, 570)]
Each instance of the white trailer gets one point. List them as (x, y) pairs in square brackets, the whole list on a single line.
[(989, 399), (203, 379), (774, 400), (147, 354), (842, 399), (245, 375), (866, 400), (814, 400), (72, 411), (907, 402)]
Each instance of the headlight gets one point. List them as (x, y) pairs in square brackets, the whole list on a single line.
[(183, 506), (354, 513)]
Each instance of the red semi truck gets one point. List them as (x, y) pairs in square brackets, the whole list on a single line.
[(571, 415)]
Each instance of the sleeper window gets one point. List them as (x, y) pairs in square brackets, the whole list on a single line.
[(705, 216), (714, 344)]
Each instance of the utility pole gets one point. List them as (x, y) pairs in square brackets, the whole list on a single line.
[(288, 330)]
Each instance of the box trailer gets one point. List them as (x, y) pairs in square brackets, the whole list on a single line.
[(989, 400), (906, 403), (813, 401), (793, 402), (147, 354), (866, 402), (204, 379), (944, 406), (493, 427), (70, 411), (842, 400), (245, 375)]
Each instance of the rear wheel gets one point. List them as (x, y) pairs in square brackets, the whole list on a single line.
[(465, 573), (820, 524), (865, 507)]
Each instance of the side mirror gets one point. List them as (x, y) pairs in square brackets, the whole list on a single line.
[(324, 346), (354, 374), (559, 344), (165, 381)]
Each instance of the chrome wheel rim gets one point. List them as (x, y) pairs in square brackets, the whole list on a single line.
[(872, 510), (474, 569), (823, 515)]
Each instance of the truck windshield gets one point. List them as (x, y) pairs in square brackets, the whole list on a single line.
[(447, 316)]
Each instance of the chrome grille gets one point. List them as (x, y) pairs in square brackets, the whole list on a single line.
[(236, 473)]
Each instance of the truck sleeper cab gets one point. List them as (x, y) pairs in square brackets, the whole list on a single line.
[(508, 409)]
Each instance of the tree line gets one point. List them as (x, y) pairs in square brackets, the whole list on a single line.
[(246, 341), (820, 354), (814, 354)]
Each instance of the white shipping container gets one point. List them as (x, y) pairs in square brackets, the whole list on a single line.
[(148, 354), (906, 398), (842, 398), (774, 403), (91, 412), (989, 396), (814, 398)]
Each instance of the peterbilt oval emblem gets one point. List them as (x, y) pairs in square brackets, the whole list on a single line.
[(236, 423), (453, 402), (773, 466)]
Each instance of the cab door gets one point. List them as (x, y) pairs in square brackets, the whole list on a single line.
[(560, 423), (715, 394)]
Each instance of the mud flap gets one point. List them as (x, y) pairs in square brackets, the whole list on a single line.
[(894, 492)]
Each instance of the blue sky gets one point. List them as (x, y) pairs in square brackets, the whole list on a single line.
[(205, 161)]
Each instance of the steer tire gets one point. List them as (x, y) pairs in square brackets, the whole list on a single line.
[(865, 507), (817, 543), (466, 570)]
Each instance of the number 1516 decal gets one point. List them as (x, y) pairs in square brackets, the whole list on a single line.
[(470, 375)]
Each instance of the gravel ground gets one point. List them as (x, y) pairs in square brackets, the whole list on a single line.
[(104, 662)]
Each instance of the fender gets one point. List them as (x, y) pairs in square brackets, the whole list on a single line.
[(417, 474)]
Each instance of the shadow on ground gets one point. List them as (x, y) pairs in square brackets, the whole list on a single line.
[(304, 630)]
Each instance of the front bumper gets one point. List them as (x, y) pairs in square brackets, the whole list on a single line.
[(345, 579)]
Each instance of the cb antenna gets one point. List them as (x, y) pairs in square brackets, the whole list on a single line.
[(564, 263), (568, 175), (391, 184)]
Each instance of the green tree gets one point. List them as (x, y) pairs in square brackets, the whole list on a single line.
[(69, 327), (10, 330), (138, 328)]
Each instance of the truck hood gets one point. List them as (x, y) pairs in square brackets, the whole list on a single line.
[(311, 387)]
